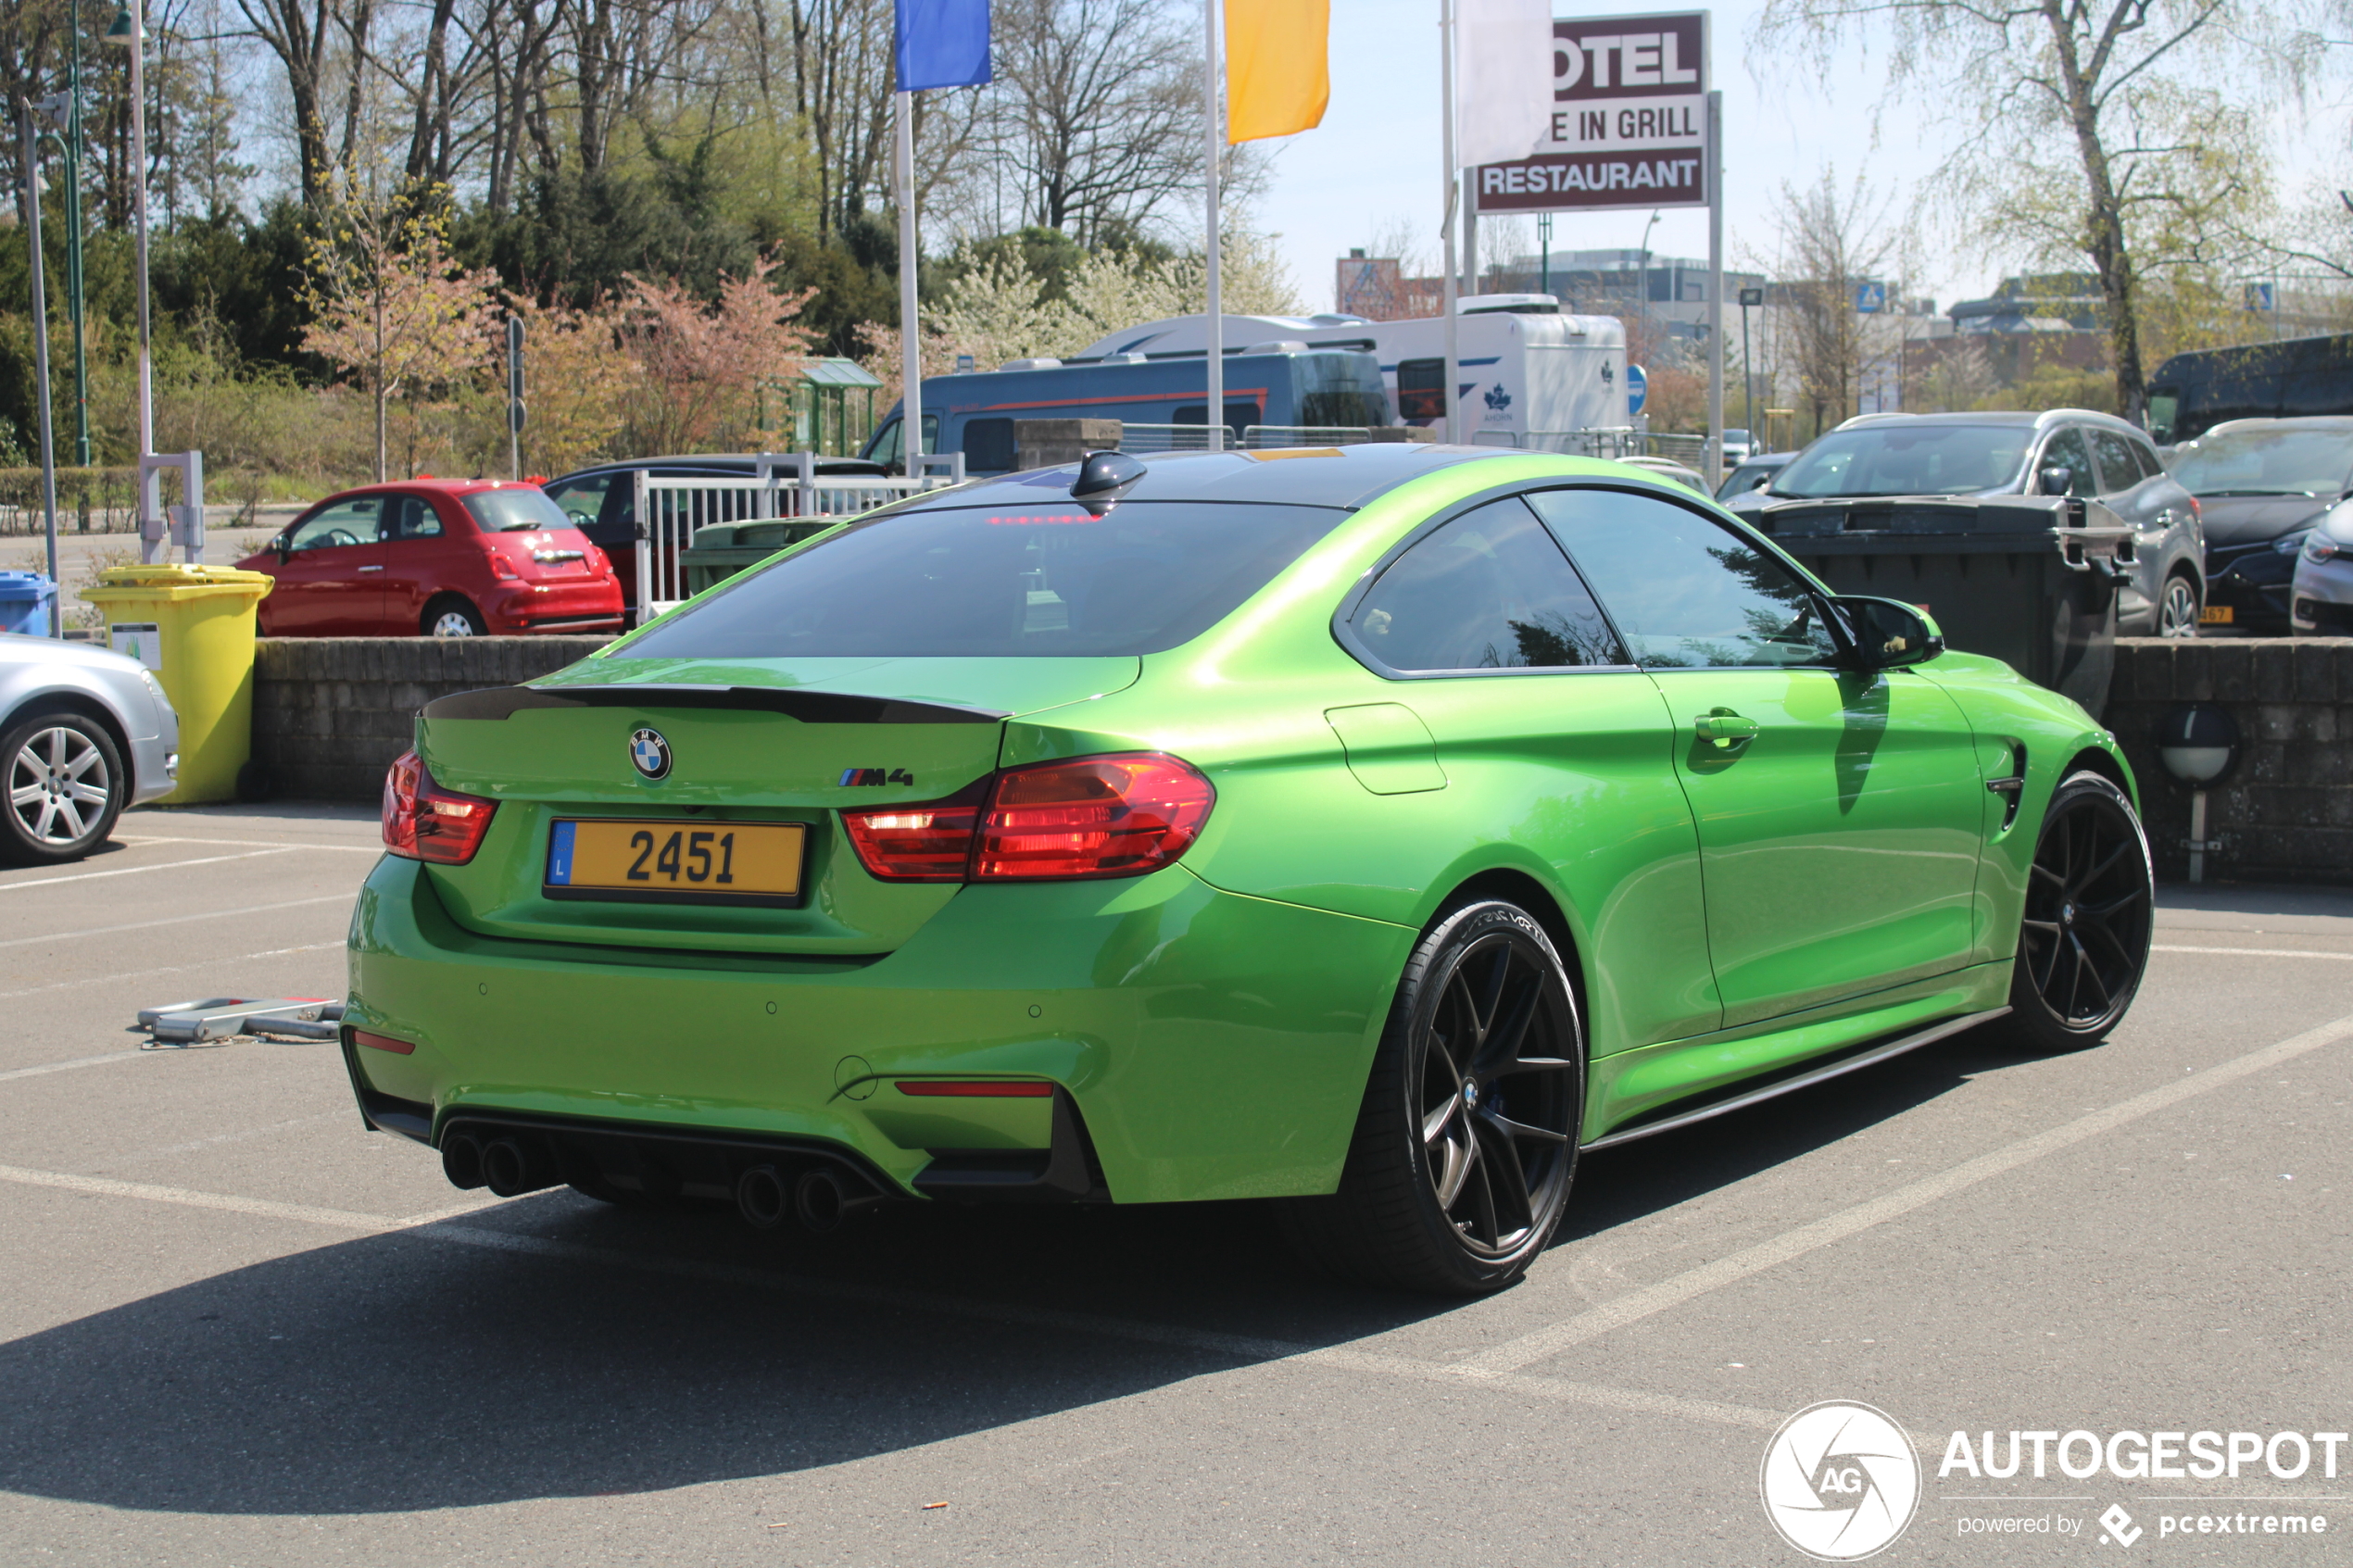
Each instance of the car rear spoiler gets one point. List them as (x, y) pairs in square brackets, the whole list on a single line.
[(808, 707)]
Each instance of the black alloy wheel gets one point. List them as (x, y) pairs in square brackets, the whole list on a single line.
[(66, 785), (1467, 1146), (2083, 942)]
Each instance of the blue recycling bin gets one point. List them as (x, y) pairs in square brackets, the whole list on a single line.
[(25, 597)]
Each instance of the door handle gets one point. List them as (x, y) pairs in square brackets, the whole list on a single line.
[(372, 568), (1723, 729)]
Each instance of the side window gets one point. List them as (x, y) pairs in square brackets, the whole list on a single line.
[(582, 500), (413, 517), (346, 522), (1686, 591), (1421, 389), (1487, 590), (888, 448), (2146, 456), (989, 446), (2119, 471), (2066, 450)]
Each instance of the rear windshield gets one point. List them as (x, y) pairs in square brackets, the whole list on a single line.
[(2266, 462), (1907, 459), (1035, 580), (515, 511)]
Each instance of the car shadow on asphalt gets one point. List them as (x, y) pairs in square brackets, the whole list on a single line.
[(571, 1349), (1624, 1184)]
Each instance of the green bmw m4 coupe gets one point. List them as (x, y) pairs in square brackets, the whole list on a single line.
[(1370, 830)]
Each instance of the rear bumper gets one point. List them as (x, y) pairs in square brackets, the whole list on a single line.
[(566, 606), (2255, 588), (1210, 1045)]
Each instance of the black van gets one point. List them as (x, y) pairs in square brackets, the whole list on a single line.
[(2192, 393)]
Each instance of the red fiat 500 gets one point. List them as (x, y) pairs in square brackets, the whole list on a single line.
[(439, 557)]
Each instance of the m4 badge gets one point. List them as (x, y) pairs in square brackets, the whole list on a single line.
[(876, 778)]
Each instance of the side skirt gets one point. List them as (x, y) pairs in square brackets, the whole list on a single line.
[(1739, 1099)]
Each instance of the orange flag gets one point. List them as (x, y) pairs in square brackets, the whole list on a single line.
[(1277, 75)]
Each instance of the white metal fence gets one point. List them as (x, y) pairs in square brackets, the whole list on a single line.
[(1622, 441), (670, 511), (1134, 437)]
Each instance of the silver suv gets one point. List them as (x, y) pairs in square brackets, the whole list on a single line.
[(2063, 452)]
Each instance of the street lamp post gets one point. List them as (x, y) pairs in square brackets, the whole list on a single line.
[(41, 359), (73, 245), (1750, 297), (130, 29)]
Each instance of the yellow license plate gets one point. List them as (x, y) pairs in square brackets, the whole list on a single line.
[(2214, 615), (676, 862)]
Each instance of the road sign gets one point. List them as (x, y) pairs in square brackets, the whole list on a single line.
[(1629, 120), (1752, 296), (1638, 389), (1870, 298), (2260, 298)]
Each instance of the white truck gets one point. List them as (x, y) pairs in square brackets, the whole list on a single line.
[(1529, 375)]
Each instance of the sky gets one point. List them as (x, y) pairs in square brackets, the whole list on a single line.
[(1374, 159)]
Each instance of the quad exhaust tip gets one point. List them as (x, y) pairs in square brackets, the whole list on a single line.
[(760, 1197), (511, 1167), (462, 1161)]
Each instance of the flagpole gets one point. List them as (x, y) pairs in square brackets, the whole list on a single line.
[(1213, 140), (1454, 193), (911, 359)]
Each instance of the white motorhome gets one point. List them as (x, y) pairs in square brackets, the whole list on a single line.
[(1526, 370)]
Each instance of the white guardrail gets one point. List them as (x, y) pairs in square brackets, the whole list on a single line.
[(670, 511)]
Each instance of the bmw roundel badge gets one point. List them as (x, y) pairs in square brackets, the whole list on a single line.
[(649, 754)]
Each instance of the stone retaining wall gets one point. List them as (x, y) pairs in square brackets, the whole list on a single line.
[(2286, 813), (331, 713)]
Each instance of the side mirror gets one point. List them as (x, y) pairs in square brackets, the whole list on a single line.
[(2055, 480), (1889, 633), (283, 545)]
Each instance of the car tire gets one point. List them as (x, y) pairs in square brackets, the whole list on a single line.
[(2178, 604), (2088, 919), (450, 616), (54, 812), (1465, 1146)]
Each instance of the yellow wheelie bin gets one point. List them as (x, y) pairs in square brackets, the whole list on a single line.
[(194, 626)]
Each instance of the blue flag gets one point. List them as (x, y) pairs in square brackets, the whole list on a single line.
[(942, 43)]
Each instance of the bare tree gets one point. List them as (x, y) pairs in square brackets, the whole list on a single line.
[(2105, 79), (1099, 109), (1832, 241)]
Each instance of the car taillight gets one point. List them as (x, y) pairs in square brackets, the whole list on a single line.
[(1087, 817), (424, 822), (930, 842), (1097, 816), (503, 569)]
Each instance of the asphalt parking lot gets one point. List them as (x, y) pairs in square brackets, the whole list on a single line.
[(239, 1329)]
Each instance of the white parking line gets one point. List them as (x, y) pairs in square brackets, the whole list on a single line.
[(250, 843), (134, 870), (176, 920), (69, 1066), (169, 969), (2255, 952), (1636, 1305)]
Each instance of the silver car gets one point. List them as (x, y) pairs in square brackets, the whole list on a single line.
[(2061, 452), (2321, 599), (83, 734)]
